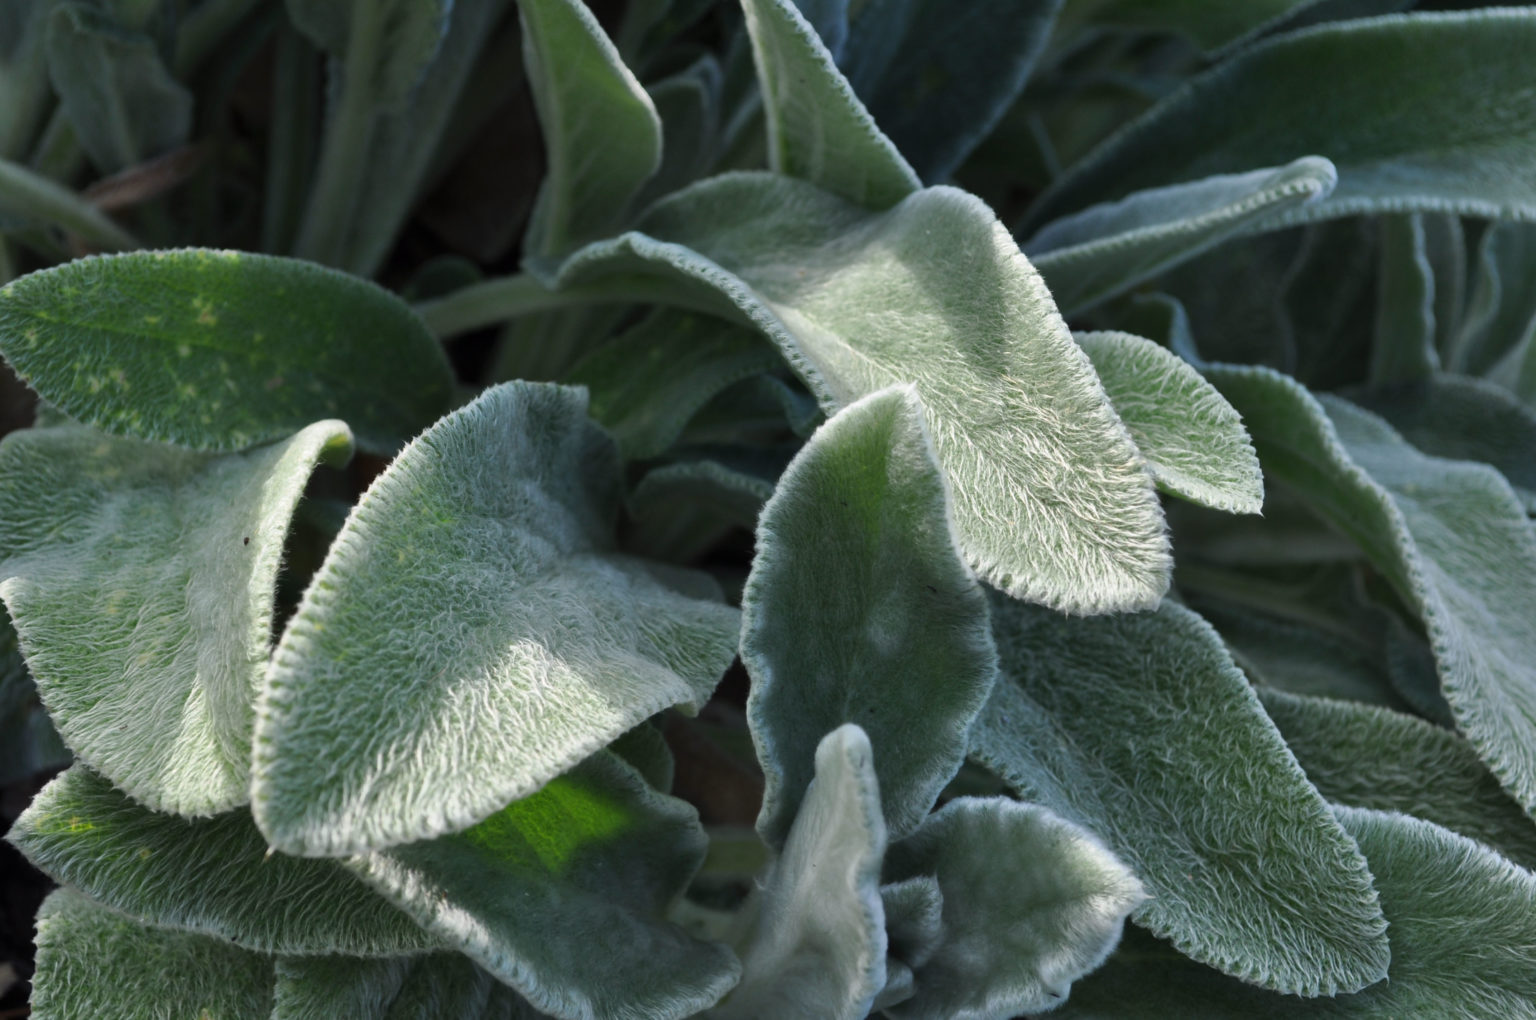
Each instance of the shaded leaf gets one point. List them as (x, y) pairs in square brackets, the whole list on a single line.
[(1140, 729), (646, 751), (939, 76), (1368, 757), (222, 350), (683, 509), (1192, 439), (602, 135), (1210, 24), (1404, 348), (647, 382), (818, 945), (1424, 111), (1450, 536), (214, 876), (1108, 248), (92, 962), (398, 38), (398, 988), (1501, 309), (560, 895), (817, 128), (1462, 937), (142, 590), (914, 918), (114, 87), (1050, 500), (859, 609), (471, 635), (1031, 903), (1445, 249), (688, 104)]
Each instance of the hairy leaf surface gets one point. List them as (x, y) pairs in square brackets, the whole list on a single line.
[(215, 876), (1404, 349), (1211, 24), (142, 590), (1140, 729), (1031, 903), (860, 609), (1425, 111), (92, 962), (471, 635), (817, 128), (1451, 536), (818, 946), (222, 350), (1109, 248), (560, 896), (1192, 439), (1369, 757), (1051, 501), (602, 135), (446, 985)]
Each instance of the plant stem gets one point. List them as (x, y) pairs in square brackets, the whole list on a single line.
[(34, 196), (333, 201), (510, 297)]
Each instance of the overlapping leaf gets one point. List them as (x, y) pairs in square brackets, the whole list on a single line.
[(222, 350), (1192, 439), (1463, 926), (1426, 111), (1051, 502), (1031, 902), (860, 609), (1404, 351), (398, 988), (818, 946), (215, 876), (93, 962), (560, 895), (1451, 536), (396, 38), (141, 586), (1107, 249), (471, 635), (602, 135), (1140, 729), (1368, 757), (1211, 24), (817, 128)]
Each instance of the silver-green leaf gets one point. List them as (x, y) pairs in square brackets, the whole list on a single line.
[(471, 635), (860, 609), (396, 38), (424, 987), (142, 589), (1141, 729), (1192, 439)]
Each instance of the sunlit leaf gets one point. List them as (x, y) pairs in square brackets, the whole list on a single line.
[(142, 590)]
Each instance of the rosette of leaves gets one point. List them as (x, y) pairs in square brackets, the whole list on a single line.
[(934, 363)]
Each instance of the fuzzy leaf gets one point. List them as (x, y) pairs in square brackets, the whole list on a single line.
[(1107, 249), (602, 135), (647, 382), (817, 128), (399, 38), (1192, 439), (1462, 938), (446, 985), (1210, 24), (688, 104), (114, 87), (1450, 536), (222, 350), (142, 590), (215, 876), (1423, 111), (1031, 903), (92, 962), (560, 895), (1501, 310), (471, 635), (1368, 757), (938, 76), (1050, 500), (860, 609), (1140, 729), (1404, 347), (914, 918), (818, 947)]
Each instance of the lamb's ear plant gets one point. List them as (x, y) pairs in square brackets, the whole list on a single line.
[(1062, 469)]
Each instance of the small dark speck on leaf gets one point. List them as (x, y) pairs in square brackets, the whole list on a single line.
[(246, 540)]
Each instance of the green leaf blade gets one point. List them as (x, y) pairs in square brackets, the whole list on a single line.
[(860, 609), (222, 350), (1193, 440), (471, 635), (1141, 730), (165, 562)]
